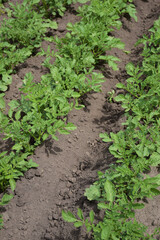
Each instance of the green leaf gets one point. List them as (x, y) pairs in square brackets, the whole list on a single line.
[(120, 98), (70, 127), (68, 216), (12, 184), (66, 109), (2, 103), (17, 147), (152, 180), (105, 137), (106, 232), (138, 205), (3, 87), (79, 107), (18, 115), (7, 79), (3, 153), (155, 191), (131, 214), (120, 85), (59, 124), (91, 215), (35, 1), (92, 193), (51, 24), (6, 198), (78, 224), (45, 136), (103, 206), (60, 99), (1, 221), (109, 58), (130, 69), (110, 191), (155, 159), (63, 131), (80, 214), (75, 95), (13, 104), (32, 164), (120, 45), (88, 227), (69, 25), (82, 1), (113, 65), (132, 11), (10, 112), (55, 137), (113, 235)]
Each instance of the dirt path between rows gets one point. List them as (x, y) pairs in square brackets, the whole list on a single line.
[(70, 165)]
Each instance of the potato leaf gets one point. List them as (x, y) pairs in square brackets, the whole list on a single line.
[(68, 216), (106, 232), (110, 191), (92, 193)]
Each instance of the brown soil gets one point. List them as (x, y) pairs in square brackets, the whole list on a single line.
[(70, 165)]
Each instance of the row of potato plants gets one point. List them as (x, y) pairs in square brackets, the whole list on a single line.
[(23, 30), (43, 106), (20, 34), (124, 185)]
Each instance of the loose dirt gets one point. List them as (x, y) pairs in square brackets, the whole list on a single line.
[(70, 165)]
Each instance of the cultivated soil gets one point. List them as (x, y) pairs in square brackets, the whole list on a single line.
[(70, 165)]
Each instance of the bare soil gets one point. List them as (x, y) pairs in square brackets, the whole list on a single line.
[(70, 165)]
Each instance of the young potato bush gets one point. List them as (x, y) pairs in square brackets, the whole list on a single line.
[(20, 35)]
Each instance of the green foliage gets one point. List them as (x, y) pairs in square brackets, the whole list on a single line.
[(87, 41), (5, 200), (90, 37), (25, 27), (43, 110), (1, 8), (69, 217), (122, 188), (12, 167), (20, 35), (54, 7)]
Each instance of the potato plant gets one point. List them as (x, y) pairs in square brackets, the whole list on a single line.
[(20, 35), (124, 186), (54, 7)]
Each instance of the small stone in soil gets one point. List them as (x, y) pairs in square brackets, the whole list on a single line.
[(38, 173), (30, 174), (50, 217), (20, 203), (88, 154), (69, 185), (61, 27), (59, 203), (55, 216), (69, 140), (48, 236), (74, 170), (72, 180)]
